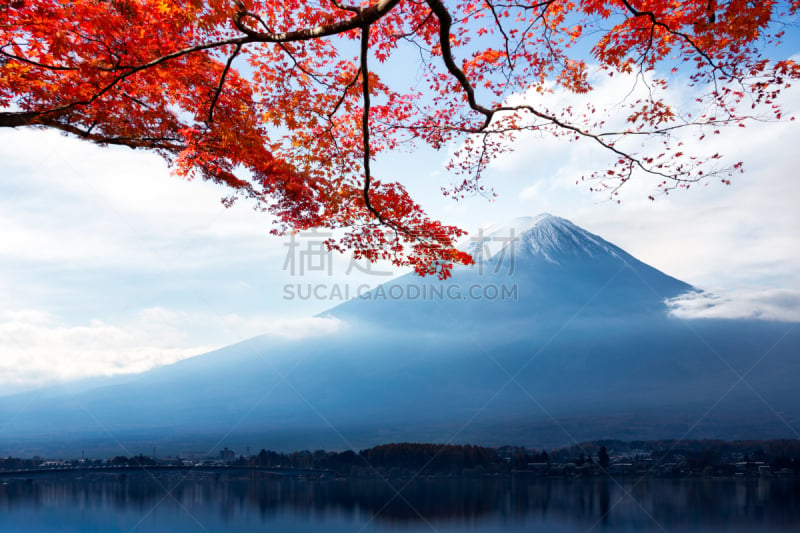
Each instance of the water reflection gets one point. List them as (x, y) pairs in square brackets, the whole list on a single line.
[(199, 502)]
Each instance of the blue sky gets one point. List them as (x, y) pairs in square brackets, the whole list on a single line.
[(109, 264)]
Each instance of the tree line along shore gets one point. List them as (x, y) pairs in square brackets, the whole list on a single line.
[(662, 458)]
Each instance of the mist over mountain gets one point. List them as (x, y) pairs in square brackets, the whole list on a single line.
[(553, 336)]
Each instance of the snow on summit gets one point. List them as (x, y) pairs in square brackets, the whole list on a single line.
[(545, 235)]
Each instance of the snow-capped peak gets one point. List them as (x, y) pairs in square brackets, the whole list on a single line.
[(518, 225), (546, 235)]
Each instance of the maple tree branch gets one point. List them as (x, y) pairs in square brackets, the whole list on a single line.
[(340, 5), (363, 17), (365, 120), (222, 77), (299, 65), (395, 226), (547, 34), (445, 23), (16, 119), (343, 94), (32, 62), (328, 117), (656, 22), (583, 133), (170, 144), (31, 116), (413, 31), (483, 154), (502, 32)]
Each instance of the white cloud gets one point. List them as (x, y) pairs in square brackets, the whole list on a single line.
[(40, 348), (290, 328), (67, 200), (752, 303)]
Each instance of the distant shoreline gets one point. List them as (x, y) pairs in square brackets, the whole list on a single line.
[(777, 458)]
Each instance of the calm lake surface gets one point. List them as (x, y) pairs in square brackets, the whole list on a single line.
[(176, 503)]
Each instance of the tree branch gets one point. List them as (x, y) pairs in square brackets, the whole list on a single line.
[(362, 18), (365, 120), (218, 90), (445, 23)]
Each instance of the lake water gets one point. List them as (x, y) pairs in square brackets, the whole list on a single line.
[(175, 503)]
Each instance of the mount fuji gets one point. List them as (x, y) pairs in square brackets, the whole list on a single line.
[(553, 336), (536, 268)]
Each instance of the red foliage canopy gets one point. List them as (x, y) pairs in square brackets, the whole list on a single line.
[(277, 100)]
